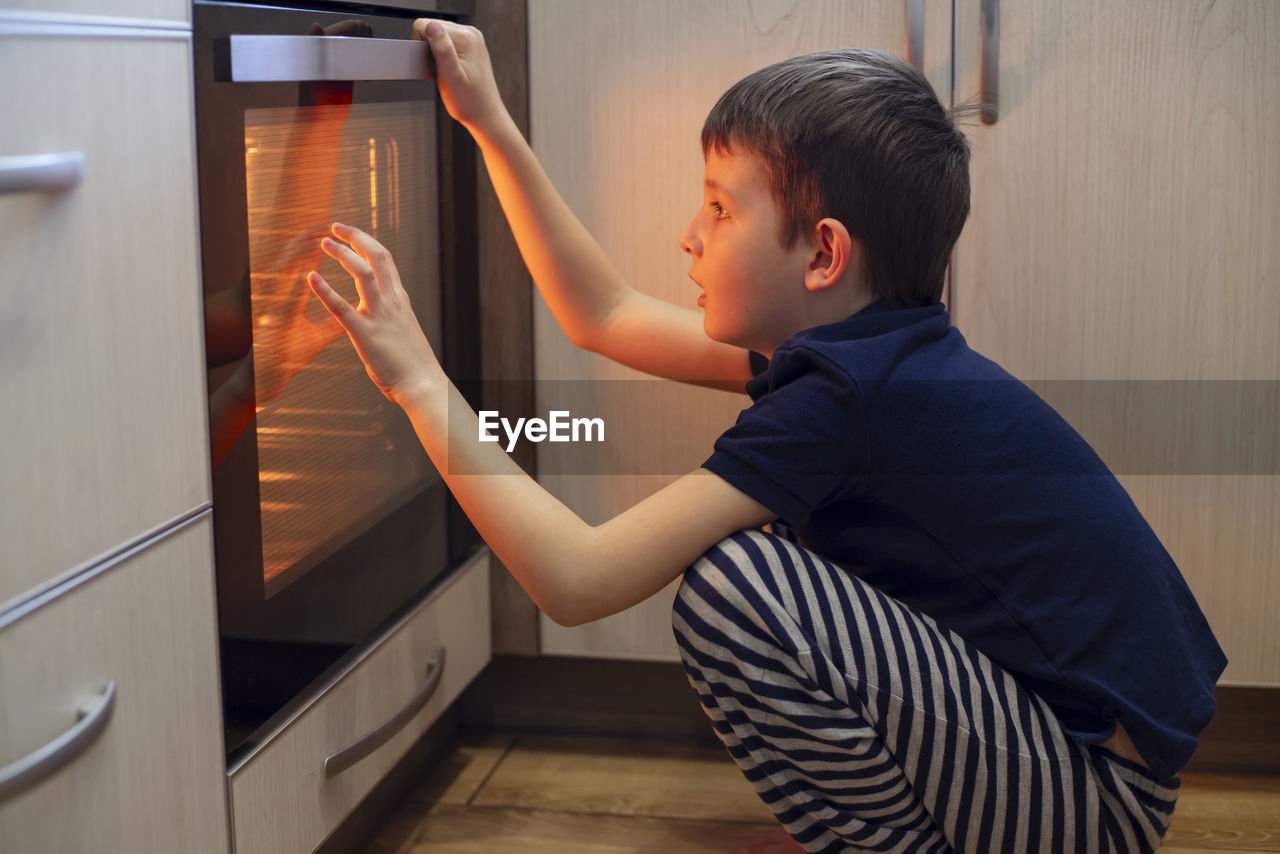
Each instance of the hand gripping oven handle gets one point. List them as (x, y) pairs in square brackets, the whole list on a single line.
[(371, 741), (34, 767)]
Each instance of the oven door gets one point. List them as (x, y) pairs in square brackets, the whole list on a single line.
[(328, 515)]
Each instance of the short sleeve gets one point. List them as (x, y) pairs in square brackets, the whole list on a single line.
[(802, 443)]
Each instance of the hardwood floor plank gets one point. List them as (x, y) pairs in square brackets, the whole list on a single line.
[(617, 777), (459, 775), (449, 829), (499, 793), (1220, 812)]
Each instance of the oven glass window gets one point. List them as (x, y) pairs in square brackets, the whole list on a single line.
[(334, 455)]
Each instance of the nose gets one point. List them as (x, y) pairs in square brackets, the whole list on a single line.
[(689, 241)]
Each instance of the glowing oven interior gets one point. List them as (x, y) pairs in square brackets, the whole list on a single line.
[(334, 457)]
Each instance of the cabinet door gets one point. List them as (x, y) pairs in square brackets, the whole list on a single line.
[(154, 779), (618, 94), (102, 394), (1121, 257)]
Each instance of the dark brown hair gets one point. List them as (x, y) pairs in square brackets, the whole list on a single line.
[(859, 136)]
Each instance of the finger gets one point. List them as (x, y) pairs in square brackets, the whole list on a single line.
[(342, 311), (377, 256), (360, 270), (443, 51)]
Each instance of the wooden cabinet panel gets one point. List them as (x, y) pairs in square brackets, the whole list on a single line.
[(1123, 229), (282, 802), (618, 95), (101, 362), (154, 779)]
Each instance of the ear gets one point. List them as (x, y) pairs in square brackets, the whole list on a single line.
[(833, 254)]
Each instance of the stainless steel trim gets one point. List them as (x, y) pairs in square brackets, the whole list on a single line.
[(990, 50), (915, 33), (18, 776), (41, 172), (338, 762), (274, 59), (341, 669), (26, 24), (36, 598)]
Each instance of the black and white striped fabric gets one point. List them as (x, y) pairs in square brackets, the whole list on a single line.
[(865, 727)]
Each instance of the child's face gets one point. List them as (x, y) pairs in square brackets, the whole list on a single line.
[(751, 285)]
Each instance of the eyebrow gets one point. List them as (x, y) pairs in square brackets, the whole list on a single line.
[(707, 182)]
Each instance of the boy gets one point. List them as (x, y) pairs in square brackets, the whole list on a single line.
[(981, 645)]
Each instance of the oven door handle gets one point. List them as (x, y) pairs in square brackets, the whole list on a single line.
[(380, 735), (297, 59)]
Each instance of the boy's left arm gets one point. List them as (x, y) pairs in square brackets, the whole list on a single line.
[(575, 572)]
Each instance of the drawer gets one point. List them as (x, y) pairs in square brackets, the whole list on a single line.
[(168, 10), (101, 354), (154, 779), (282, 801)]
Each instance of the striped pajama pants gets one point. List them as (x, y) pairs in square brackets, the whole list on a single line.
[(865, 727)]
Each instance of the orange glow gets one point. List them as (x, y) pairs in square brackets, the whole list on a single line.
[(373, 185), (326, 451)]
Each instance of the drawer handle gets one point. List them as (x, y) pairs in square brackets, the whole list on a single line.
[(990, 71), (34, 767), (41, 172), (366, 744)]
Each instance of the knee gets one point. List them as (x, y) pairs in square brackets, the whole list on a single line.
[(724, 591)]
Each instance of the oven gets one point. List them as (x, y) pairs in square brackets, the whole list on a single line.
[(328, 516)]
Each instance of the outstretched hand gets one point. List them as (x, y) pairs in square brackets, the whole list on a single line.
[(383, 327)]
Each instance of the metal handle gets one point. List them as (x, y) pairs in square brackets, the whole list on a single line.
[(41, 172), (284, 59), (34, 767), (915, 33), (990, 49), (366, 744)]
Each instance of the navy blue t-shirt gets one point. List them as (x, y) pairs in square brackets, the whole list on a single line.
[(891, 448)]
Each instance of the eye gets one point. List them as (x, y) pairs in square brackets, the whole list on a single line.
[(718, 210)]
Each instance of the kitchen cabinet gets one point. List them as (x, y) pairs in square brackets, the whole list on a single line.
[(101, 366), (107, 621), (1119, 255), (141, 626)]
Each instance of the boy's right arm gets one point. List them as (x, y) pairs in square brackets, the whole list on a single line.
[(595, 307)]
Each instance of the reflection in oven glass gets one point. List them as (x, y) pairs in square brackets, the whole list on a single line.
[(333, 455)]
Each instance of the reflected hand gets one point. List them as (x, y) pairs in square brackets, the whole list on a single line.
[(331, 93), (383, 327), (296, 339)]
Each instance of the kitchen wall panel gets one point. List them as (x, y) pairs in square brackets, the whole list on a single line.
[(619, 92), (1121, 255)]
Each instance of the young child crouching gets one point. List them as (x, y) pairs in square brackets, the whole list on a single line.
[(961, 634)]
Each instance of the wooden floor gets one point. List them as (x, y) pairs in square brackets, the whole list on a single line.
[(501, 793)]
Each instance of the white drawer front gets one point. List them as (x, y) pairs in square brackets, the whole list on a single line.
[(167, 10), (101, 354), (281, 800), (154, 779)]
